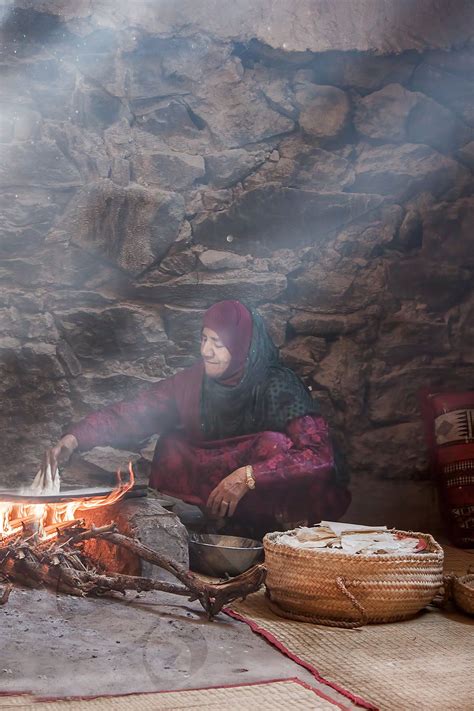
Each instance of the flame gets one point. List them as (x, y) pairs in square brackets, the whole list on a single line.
[(46, 519)]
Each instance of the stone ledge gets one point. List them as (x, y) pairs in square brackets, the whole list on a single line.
[(304, 25)]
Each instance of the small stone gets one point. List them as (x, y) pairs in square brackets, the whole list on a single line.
[(214, 260), (327, 113)]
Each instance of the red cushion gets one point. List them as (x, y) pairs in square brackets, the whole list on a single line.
[(449, 424)]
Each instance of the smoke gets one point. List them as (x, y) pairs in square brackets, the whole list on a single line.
[(105, 105)]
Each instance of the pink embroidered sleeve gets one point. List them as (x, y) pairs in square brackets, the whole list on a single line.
[(129, 421), (309, 455)]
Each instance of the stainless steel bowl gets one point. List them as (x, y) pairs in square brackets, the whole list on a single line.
[(218, 556)]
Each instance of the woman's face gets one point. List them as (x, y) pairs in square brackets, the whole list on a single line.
[(215, 355)]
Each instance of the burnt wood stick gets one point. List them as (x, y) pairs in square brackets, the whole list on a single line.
[(212, 596), (29, 572), (118, 582), (151, 556), (91, 533), (109, 533), (75, 569), (132, 582)]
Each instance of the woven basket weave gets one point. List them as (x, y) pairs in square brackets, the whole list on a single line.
[(463, 593), (329, 586)]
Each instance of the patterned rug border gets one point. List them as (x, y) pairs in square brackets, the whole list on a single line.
[(306, 665), (52, 699)]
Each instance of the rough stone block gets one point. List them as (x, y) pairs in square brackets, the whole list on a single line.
[(168, 170), (403, 171), (411, 333), (37, 164), (364, 72), (448, 231), (236, 113), (133, 226), (455, 92), (314, 324), (183, 326), (202, 289), (326, 114), (274, 213), (145, 519), (395, 114), (395, 397), (303, 353), (112, 331), (228, 167), (214, 260), (437, 284)]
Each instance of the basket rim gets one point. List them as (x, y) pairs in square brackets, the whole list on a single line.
[(462, 581), (269, 543)]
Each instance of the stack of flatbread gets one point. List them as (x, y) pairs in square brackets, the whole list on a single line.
[(352, 538)]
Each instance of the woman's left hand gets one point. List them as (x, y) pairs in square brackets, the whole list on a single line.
[(224, 498)]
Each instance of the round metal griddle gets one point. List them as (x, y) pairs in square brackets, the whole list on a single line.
[(19, 496)]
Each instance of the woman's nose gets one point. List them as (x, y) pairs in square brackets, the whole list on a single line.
[(206, 349)]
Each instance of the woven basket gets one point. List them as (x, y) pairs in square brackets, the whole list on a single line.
[(463, 593), (329, 586)]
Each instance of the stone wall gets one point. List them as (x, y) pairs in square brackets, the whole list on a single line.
[(145, 174)]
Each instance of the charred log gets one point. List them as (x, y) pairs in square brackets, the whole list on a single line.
[(61, 564)]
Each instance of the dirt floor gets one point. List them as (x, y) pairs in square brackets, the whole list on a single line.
[(58, 645)]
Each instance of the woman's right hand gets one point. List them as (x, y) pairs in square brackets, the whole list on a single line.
[(59, 454), (47, 479)]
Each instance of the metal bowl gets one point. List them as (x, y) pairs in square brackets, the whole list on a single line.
[(219, 556)]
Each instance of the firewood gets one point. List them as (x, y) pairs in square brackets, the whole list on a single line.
[(212, 596), (61, 563)]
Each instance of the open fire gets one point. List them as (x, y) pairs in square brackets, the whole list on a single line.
[(43, 544), (45, 520)]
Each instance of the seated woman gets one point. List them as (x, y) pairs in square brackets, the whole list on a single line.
[(240, 434)]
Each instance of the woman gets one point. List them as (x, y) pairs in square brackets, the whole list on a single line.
[(240, 433)]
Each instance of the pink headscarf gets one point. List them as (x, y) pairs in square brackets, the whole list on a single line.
[(232, 322)]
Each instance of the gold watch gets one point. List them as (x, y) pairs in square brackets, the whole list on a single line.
[(249, 477)]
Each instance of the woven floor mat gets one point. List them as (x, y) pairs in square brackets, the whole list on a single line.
[(268, 696), (426, 663), (457, 560)]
